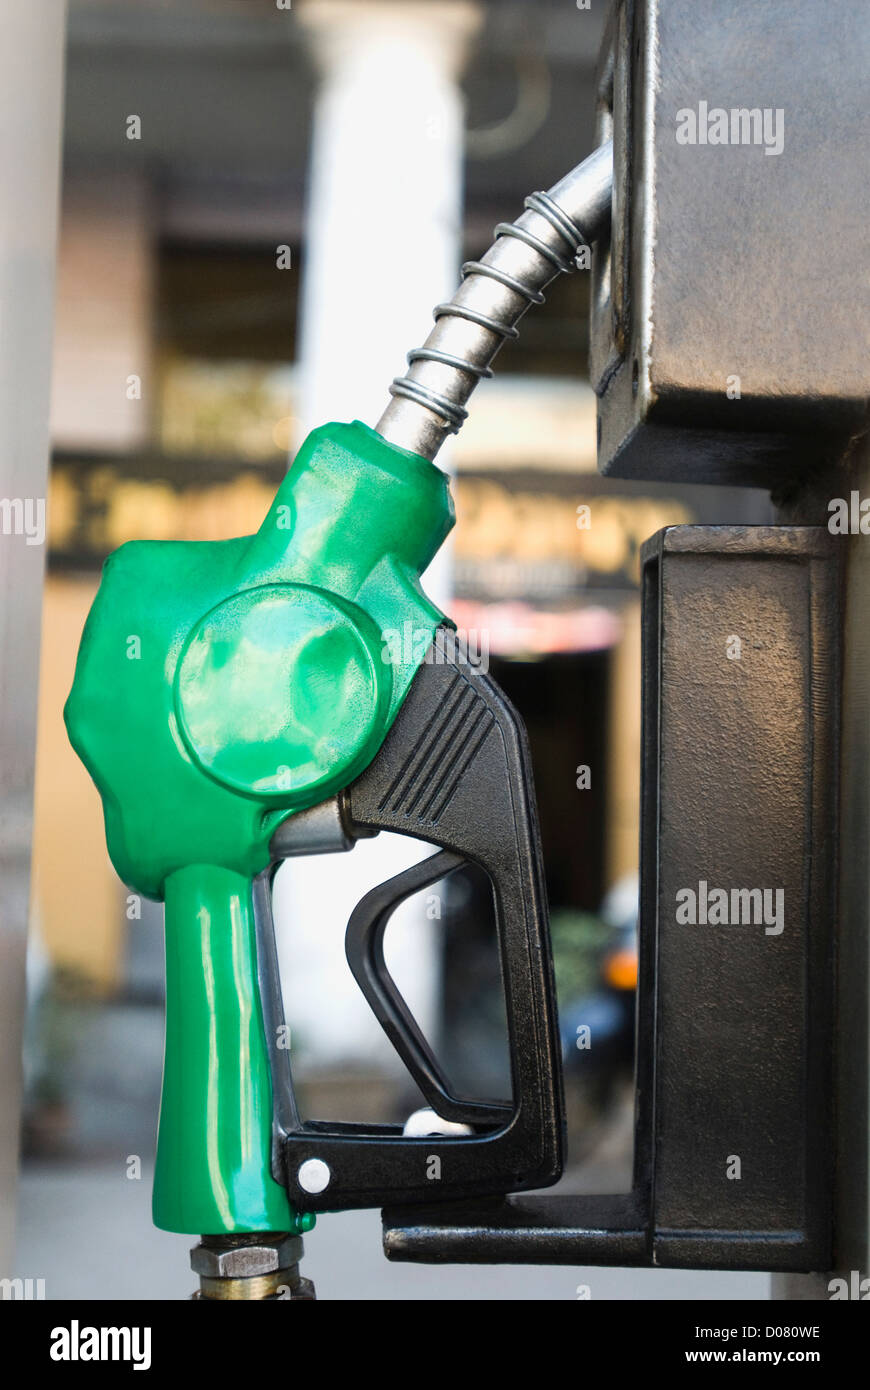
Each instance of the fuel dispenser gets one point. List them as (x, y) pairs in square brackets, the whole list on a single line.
[(261, 720)]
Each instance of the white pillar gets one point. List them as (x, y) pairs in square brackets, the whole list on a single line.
[(382, 247), (383, 220), (31, 105)]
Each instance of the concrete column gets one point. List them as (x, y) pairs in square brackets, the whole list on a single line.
[(383, 220), (31, 104), (382, 247)]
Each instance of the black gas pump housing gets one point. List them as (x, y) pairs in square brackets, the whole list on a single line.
[(725, 262), (733, 1141)]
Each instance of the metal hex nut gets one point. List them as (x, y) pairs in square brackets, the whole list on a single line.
[(246, 1261)]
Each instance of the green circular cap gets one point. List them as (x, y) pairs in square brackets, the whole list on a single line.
[(280, 688)]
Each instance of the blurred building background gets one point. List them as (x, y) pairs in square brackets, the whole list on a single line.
[(261, 203)]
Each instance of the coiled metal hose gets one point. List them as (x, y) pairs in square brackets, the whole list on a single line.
[(428, 403)]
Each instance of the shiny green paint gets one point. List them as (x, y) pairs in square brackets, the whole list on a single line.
[(203, 712), (274, 639), (212, 1149), (221, 686)]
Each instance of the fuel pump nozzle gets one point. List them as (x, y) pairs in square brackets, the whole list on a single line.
[(223, 689)]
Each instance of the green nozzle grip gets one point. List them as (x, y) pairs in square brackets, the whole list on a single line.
[(213, 1152)]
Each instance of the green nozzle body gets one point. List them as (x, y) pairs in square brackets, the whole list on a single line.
[(221, 686)]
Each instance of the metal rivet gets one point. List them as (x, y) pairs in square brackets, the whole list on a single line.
[(314, 1175)]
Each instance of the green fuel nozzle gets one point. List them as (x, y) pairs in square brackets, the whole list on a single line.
[(220, 687)]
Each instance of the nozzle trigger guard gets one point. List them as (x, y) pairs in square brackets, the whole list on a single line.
[(454, 771)]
